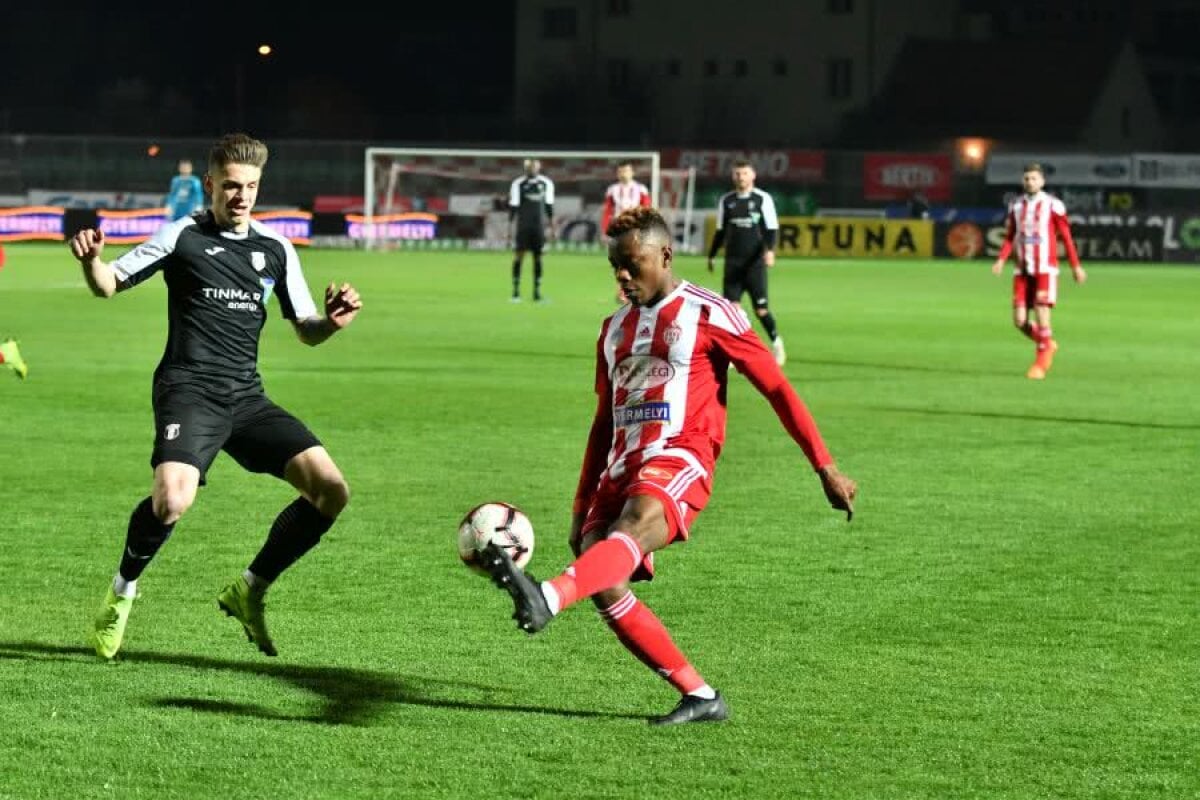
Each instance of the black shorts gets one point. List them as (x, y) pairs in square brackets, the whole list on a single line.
[(533, 240), (742, 278), (192, 426)]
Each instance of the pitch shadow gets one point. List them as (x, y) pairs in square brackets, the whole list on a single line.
[(347, 696)]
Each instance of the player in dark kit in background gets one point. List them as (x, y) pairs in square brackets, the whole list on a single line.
[(748, 226), (530, 211), (221, 268), (662, 370)]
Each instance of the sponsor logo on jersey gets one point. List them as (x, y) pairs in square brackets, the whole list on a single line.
[(640, 414), (171, 432), (235, 299), (656, 473), (212, 251), (268, 285), (258, 261), (645, 332), (637, 373)]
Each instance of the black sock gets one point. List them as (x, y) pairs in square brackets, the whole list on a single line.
[(142, 540), (516, 277), (537, 276), (296, 530), (768, 323)]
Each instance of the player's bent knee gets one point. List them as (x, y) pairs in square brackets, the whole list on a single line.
[(171, 504), (331, 495)]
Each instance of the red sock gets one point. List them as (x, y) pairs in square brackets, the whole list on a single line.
[(1041, 335), (603, 566), (643, 634)]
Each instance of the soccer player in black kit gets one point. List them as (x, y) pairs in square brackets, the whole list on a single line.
[(530, 211), (748, 226), (221, 268)]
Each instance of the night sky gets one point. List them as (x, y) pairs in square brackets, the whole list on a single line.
[(172, 69)]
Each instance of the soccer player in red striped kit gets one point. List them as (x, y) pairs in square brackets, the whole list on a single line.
[(621, 196), (661, 376), (1035, 222)]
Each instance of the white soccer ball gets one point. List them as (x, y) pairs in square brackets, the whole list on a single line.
[(502, 523)]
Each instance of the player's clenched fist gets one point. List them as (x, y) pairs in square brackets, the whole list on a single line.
[(839, 489), (342, 304), (87, 244)]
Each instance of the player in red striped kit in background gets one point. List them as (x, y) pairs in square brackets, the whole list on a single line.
[(661, 377), (621, 196), (1035, 222)]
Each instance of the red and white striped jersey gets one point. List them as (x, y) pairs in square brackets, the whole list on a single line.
[(661, 379), (1032, 229), (622, 197)]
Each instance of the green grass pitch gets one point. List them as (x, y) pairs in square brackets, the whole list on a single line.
[(1013, 612)]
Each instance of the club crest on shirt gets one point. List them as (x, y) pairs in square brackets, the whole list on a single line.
[(672, 333), (258, 261)]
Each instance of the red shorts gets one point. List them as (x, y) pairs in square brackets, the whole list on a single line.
[(1035, 290), (679, 485)]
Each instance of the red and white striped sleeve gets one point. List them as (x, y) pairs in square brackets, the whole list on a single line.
[(1062, 226)]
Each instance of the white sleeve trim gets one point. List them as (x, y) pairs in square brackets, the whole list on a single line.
[(147, 254)]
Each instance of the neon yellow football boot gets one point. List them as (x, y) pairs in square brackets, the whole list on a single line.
[(109, 628), (238, 600), (12, 358)]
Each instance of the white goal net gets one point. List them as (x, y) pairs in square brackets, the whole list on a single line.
[(459, 198)]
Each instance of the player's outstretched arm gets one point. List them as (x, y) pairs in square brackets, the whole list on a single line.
[(342, 305), (87, 246), (758, 365)]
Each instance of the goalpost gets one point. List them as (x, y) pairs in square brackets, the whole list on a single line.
[(677, 198), (459, 198)]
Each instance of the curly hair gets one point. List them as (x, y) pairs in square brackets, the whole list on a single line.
[(237, 148), (642, 219)]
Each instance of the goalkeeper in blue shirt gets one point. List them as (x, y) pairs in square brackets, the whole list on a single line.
[(186, 195)]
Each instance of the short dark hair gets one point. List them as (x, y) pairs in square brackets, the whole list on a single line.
[(643, 219), (1034, 166), (625, 163), (741, 163)]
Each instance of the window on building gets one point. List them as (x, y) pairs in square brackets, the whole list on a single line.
[(779, 67), (559, 22), (618, 8), (840, 6), (710, 68), (740, 68), (673, 68), (618, 75), (838, 78)]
